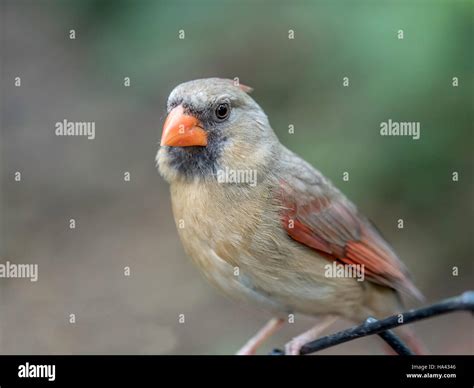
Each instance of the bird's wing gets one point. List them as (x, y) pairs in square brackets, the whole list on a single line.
[(316, 214)]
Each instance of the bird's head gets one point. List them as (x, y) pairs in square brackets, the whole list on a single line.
[(213, 124)]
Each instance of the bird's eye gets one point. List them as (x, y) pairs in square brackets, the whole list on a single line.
[(222, 111)]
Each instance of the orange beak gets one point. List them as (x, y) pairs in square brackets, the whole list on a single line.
[(182, 130)]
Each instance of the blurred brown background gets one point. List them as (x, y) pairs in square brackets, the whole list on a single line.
[(296, 81)]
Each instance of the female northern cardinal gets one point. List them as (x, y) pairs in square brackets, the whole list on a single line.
[(261, 223)]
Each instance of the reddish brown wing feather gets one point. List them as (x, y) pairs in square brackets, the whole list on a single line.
[(332, 227)]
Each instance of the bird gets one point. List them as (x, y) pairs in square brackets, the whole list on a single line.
[(262, 224)]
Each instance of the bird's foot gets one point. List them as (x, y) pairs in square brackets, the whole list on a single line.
[(293, 347), (250, 348)]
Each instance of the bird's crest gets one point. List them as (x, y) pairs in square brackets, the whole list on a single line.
[(244, 88)]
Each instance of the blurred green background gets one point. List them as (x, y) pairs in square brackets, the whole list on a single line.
[(298, 82)]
